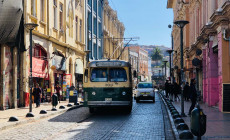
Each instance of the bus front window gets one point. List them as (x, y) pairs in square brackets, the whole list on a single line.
[(99, 75), (117, 75)]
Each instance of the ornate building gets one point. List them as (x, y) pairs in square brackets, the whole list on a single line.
[(206, 47), (113, 34)]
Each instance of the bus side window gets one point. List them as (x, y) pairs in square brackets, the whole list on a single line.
[(86, 75)]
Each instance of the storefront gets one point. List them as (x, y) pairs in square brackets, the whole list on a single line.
[(79, 77), (59, 61)]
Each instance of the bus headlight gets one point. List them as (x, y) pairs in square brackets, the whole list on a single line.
[(93, 93), (123, 93)]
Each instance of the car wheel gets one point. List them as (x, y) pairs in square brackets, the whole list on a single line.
[(91, 110)]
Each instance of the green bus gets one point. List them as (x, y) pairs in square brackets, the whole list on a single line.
[(108, 83)]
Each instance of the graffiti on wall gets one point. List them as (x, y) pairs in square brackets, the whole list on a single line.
[(8, 101)]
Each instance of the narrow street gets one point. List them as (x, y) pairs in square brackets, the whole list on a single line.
[(145, 122)]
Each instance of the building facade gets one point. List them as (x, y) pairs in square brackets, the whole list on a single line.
[(142, 62), (207, 32), (93, 28), (113, 31), (58, 44)]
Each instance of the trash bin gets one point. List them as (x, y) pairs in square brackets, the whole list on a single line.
[(27, 98), (198, 122), (73, 96), (54, 100)]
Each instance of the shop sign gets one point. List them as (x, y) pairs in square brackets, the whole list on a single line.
[(59, 62), (39, 68)]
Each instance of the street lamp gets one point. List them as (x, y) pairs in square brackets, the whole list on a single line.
[(170, 64), (165, 62), (181, 24), (30, 26)]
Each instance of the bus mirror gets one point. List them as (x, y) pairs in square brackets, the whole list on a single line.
[(86, 75), (135, 73)]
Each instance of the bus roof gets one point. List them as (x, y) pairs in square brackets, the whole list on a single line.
[(109, 63)]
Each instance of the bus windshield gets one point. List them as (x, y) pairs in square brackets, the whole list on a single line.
[(115, 75), (145, 85), (99, 75)]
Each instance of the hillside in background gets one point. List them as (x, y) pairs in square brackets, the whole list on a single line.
[(150, 48)]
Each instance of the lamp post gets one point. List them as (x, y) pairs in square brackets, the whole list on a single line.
[(170, 64), (171, 58), (165, 62), (30, 26), (181, 24)]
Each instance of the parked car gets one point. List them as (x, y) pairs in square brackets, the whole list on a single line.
[(144, 91)]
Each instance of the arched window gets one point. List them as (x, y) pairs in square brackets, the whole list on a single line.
[(39, 52)]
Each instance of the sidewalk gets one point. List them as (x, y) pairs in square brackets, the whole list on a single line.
[(20, 113), (218, 123)]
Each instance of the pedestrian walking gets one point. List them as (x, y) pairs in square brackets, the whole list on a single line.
[(193, 95), (176, 91), (58, 91), (37, 92), (186, 91), (167, 88)]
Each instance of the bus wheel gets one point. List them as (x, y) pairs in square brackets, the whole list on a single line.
[(153, 99), (128, 109), (137, 100), (91, 110)]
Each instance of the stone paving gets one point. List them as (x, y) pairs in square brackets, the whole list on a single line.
[(218, 123), (20, 113), (145, 122)]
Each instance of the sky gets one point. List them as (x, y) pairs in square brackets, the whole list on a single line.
[(147, 19)]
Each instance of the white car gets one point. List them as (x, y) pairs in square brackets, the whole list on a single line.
[(144, 91)]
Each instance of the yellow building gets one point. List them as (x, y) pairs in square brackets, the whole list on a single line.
[(113, 34), (58, 43)]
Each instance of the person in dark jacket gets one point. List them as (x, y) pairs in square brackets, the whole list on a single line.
[(186, 91), (193, 95), (37, 95), (176, 91), (167, 88)]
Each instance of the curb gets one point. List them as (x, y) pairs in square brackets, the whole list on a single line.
[(175, 132), (13, 124)]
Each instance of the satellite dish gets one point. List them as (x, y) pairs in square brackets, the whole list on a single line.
[(196, 62), (198, 52)]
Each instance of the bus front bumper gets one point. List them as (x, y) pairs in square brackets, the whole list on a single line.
[(109, 103)]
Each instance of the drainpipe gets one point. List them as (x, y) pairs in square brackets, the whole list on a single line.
[(226, 39)]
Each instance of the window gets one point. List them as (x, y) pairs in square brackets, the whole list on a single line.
[(95, 6), (95, 25), (89, 21), (33, 8), (39, 52), (61, 16), (95, 51), (99, 8), (55, 13), (117, 75), (145, 85), (90, 3), (42, 10), (80, 30), (76, 22), (99, 75)]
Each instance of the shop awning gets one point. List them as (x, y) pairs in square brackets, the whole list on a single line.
[(39, 68), (10, 16), (79, 66)]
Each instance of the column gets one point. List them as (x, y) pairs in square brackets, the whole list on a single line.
[(2, 95), (14, 77), (205, 92)]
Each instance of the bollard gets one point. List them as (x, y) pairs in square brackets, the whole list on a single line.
[(198, 122), (178, 120), (43, 112), (13, 119), (182, 126)]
